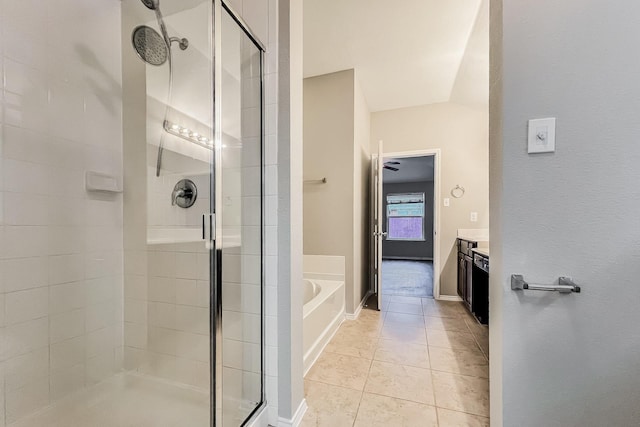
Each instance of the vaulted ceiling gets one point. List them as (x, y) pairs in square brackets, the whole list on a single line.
[(405, 53)]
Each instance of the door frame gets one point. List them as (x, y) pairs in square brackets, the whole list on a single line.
[(437, 160)]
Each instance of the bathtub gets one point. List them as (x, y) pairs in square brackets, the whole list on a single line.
[(323, 312)]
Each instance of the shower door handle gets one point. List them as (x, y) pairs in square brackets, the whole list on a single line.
[(209, 229)]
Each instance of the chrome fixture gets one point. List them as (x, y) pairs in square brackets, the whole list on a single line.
[(184, 194), (155, 49), (152, 47), (457, 192), (565, 285), (316, 181)]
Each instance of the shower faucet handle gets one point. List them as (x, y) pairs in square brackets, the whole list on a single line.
[(184, 193), (177, 193)]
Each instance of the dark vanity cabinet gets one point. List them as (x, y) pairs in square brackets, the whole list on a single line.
[(473, 278), (465, 270)]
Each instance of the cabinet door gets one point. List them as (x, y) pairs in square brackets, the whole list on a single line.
[(462, 276)]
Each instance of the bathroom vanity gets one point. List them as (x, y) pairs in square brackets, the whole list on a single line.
[(473, 272)]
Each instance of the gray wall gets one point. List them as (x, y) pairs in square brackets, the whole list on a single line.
[(567, 360), (400, 249), (462, 135), (336, 143)]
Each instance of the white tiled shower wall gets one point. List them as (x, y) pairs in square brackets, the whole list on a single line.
[(155, 279), (61, 270), (262, 17)]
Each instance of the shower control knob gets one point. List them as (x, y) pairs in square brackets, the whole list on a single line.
[(184, 194)]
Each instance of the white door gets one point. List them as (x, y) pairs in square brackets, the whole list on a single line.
[(377, 234)]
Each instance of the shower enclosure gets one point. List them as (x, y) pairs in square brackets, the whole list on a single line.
[(131, 214)]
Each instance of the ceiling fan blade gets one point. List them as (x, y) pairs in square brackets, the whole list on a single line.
[(391, 168)]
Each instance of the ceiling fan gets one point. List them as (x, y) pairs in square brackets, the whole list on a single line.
[(387, 165)]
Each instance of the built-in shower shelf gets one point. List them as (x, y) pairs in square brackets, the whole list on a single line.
[(166, 235), (102, 182)]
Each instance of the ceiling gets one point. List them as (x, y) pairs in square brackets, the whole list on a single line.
[(405, 53), (412, 169)]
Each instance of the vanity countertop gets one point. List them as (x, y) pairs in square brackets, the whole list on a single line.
[(481, 251)]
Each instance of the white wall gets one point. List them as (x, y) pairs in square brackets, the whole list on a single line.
[(361, 192), (462, 135), (289, 356), (567, 360), (60, 246)]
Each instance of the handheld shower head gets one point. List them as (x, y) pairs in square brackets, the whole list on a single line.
[(149, 45), (152, 4)]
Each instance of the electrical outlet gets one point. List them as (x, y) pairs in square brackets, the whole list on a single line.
[(474, 216), (446, 201)]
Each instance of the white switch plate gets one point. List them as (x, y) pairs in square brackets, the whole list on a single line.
[(474, 216), (446, 201), (542, 135)]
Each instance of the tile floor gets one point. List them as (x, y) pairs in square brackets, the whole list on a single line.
[(417, 363), (409, 278)]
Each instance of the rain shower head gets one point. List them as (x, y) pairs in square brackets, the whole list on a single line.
[(150, 45), (151, 4)]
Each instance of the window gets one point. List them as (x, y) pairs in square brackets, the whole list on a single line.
[(405, 216)]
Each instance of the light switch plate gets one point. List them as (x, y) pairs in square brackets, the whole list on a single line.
[(446, 201), (474, 216), (542, 135)]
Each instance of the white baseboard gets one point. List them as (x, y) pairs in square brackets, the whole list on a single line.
[(355, 315), (297, 417), (450, 298)]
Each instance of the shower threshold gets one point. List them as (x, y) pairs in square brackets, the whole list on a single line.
[(125, 400)]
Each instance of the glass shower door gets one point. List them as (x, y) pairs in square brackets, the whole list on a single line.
[(239, 216)]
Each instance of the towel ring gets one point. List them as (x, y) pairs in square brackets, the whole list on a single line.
[(457, 192)]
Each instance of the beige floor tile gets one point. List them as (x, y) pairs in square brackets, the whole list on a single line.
[(461, 393), (455, 324), (437, 308), (402, 382), (340, 370), (415, 320), (368, 327), (404, 300), (463, 362), (449, 418), (402, 353), (399, 307), (382, 411), (476, 328), (353, 344), (330, 406), (448, 339), (371, 314), (483, 342), (404, 333)]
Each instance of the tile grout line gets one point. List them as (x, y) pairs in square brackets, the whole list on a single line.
[(433, 385), (369, 370)]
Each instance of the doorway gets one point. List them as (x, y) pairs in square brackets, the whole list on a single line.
[(405, 215), (408, 221)]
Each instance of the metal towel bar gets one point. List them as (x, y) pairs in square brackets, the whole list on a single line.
[(565, 285)]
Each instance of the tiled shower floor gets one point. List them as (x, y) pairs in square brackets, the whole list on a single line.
[(419, 362), (126, 401)]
